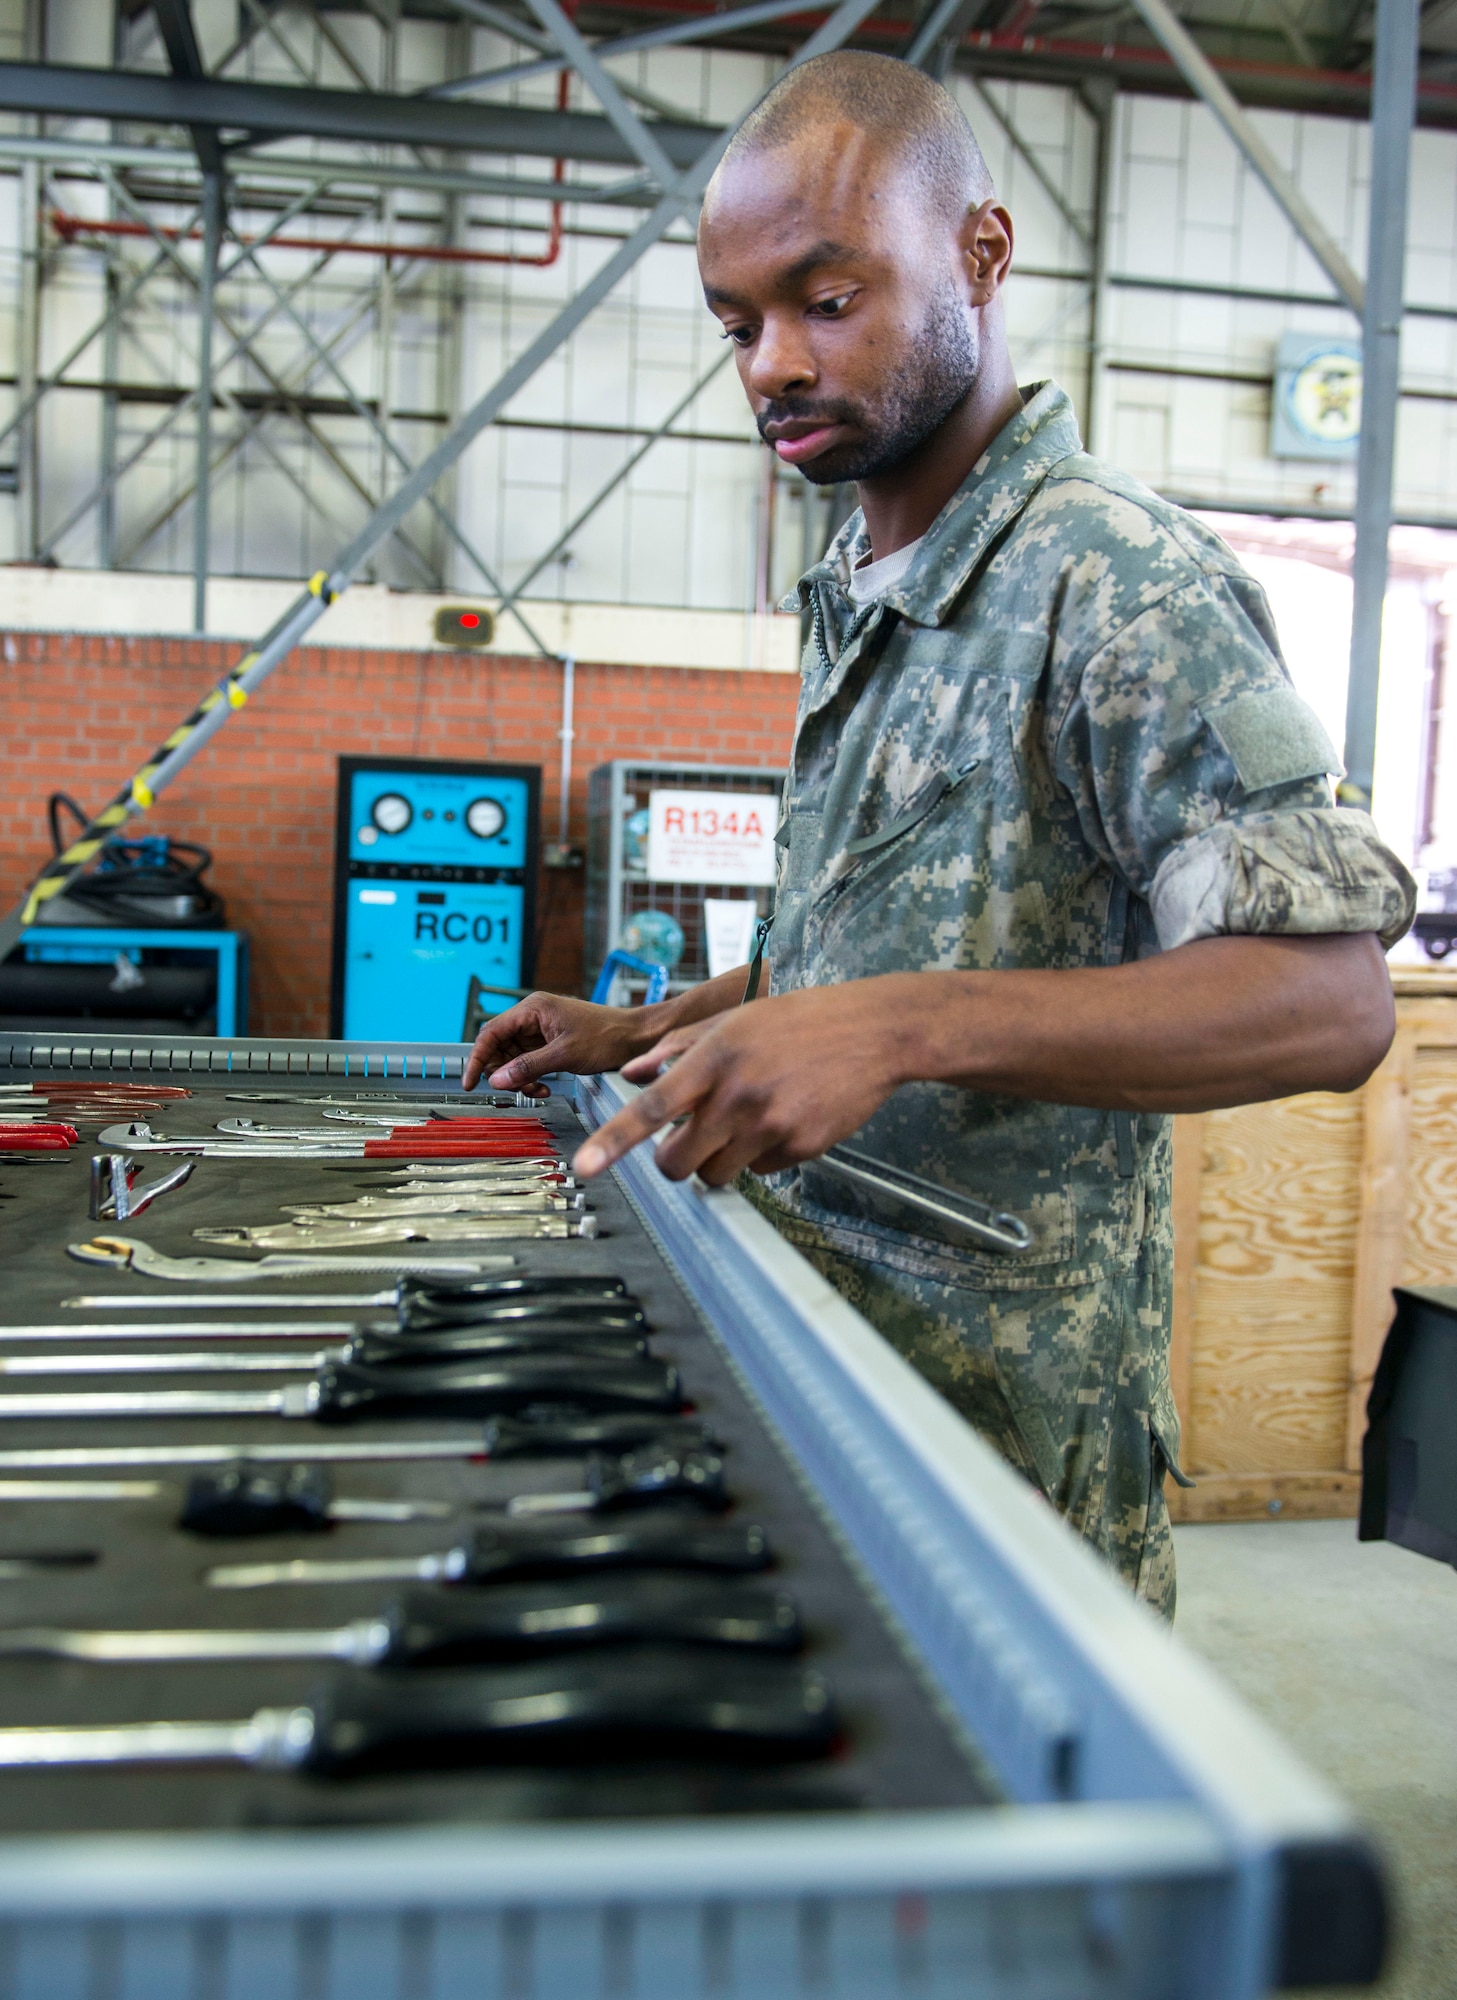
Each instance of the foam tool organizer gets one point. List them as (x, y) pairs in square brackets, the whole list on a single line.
[(423, 1576)]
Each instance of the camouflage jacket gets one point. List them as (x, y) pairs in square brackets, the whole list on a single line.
[(1065, 737)]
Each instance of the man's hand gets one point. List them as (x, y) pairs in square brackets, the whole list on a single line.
[(763, 1087), (550, 1031), (1225, 1020)]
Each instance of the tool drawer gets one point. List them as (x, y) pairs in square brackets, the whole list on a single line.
[(678, 1641)]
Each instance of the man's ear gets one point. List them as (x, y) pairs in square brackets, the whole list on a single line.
[(986, 248)]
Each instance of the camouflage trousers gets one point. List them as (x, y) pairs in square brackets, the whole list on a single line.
[(1068, 1383)]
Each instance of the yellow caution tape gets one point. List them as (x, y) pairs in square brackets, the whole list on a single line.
[(48, 886), (140, 794)]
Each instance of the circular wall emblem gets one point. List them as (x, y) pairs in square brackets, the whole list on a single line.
[(1323, 397)]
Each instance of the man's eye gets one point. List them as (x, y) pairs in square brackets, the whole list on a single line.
[(832, 308), (739, 335)]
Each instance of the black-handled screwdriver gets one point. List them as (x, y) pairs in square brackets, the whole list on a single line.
[(275, 1502), (429, 1307), (473, 1628), (512, 1326), (514, 1551), (531, 1435), (641, 1703), (348, 1391), (373, 1350)]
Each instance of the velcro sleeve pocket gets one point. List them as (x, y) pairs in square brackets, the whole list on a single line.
[(1272, 737)]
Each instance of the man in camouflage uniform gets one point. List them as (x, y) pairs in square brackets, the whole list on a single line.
[(1092, 753), (1059, 852)]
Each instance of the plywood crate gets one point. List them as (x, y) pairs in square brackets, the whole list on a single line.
[(1292, 1222)]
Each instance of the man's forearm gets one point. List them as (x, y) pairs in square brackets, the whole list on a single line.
[(1223, 1021), (699, 1003)]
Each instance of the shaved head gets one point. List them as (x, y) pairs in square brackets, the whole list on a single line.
[(899, 109), (853, 250)]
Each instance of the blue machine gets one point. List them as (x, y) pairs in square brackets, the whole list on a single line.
[(434, 895)]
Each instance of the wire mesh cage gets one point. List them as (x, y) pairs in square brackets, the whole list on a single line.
[(619, 888)]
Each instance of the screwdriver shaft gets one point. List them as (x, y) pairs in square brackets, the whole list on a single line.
[(362, 1569), (348, 1643), (203, 1329), (223, 1301), (291, 1401), (322, 1451), (81, 1489), (278, 1736), (304, 1361)]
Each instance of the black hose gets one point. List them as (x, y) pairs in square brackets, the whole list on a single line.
[(126, 872), (53, 817)]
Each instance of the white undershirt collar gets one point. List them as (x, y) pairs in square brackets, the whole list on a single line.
[(872, 580)]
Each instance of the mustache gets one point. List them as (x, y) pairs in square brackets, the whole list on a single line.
[(802, 409)]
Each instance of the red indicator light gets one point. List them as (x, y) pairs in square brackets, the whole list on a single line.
[(461, 625)]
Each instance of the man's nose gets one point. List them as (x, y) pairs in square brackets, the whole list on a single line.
[(783, 361)]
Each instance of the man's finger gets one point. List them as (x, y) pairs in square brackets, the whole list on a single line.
[(643, 1068), (711, 1134), (500, 1034), (721, 1168), (522, 1071), (670, 1097)]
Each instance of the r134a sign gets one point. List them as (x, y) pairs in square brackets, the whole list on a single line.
[(712, 837)]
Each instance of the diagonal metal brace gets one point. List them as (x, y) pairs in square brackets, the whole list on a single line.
[(1207, 85)]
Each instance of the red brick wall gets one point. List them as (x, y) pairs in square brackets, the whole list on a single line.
[(82, 712)]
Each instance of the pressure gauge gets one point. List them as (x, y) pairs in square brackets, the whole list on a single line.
[(391, 813), (485, 817)]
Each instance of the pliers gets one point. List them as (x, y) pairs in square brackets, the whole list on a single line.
[(112, 1175)]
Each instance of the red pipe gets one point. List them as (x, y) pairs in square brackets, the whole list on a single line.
[(73, 227), (69, 227)]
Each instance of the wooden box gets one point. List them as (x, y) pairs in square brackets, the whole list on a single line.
[(1292, 1222)]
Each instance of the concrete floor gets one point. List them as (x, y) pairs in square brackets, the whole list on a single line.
[(1350, 1650)]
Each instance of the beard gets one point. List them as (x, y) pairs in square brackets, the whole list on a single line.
[(937, 373)]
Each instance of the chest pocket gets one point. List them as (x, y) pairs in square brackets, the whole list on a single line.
[(923, 891), (943, 783)]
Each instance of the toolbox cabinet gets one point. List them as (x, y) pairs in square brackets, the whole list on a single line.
[(1155, 1841)]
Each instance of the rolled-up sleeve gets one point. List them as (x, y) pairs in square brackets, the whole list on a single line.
[(1308, 870), (1203, 779)]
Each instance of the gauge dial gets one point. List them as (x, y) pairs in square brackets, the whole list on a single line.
[(485, 817), (391, 813)]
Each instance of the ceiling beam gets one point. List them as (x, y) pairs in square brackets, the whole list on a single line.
[(273, 111), (277, 110)]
